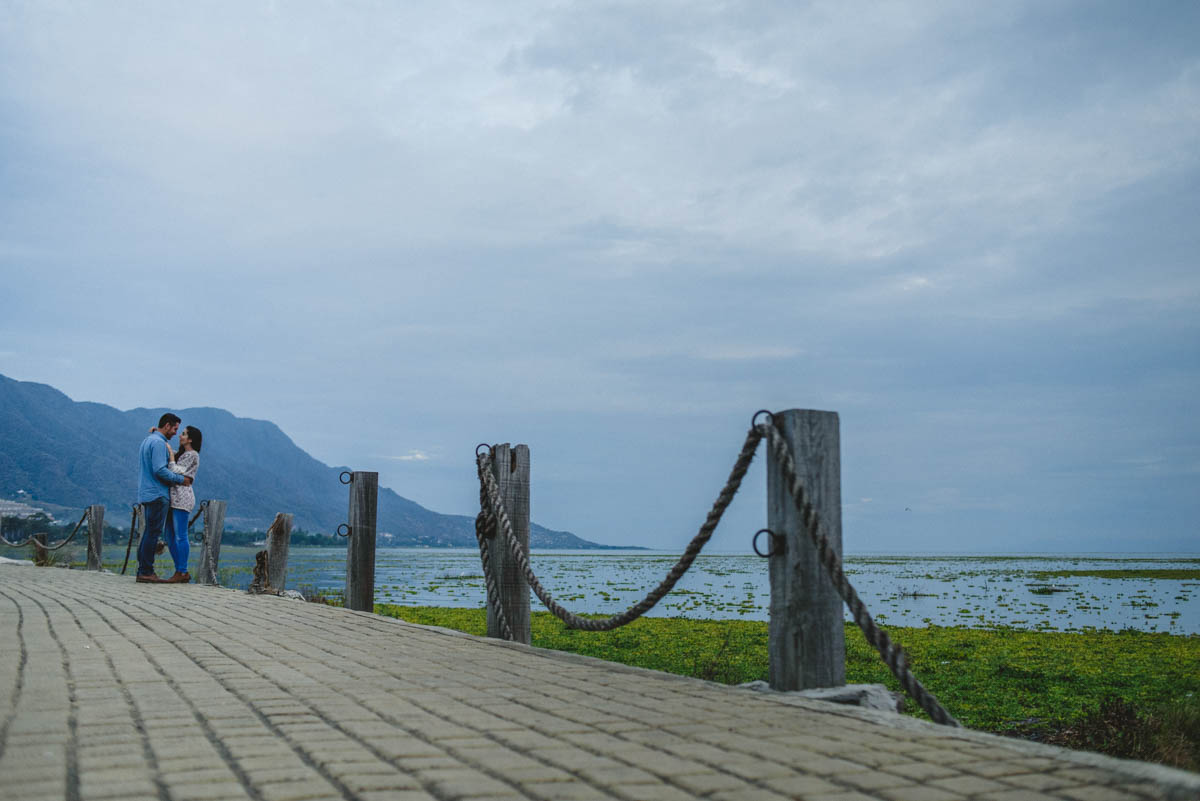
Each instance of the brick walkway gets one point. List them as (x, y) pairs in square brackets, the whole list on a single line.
[(111, 689)]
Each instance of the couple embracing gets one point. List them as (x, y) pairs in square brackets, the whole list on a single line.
[(165, 493)]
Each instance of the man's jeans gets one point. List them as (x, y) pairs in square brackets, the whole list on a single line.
[(156, 515), (177, 540)]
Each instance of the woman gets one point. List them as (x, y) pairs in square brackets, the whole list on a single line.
[(183, 500)]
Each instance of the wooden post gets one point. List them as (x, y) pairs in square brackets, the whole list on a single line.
[(95, 518), (510, 466), (210, 550), (41, 556), (360, 550), (806, 638), (279, 537)]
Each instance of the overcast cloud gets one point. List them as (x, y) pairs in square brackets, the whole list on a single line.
[(614, 231)]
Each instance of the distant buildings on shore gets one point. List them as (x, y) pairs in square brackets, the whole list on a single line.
[(20, 509)]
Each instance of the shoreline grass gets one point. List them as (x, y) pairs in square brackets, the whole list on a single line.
[(1129, 694)]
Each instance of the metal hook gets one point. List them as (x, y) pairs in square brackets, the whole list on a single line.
[(775, 539), (754, 419), (482, 445), (341, 526), (343, 477)]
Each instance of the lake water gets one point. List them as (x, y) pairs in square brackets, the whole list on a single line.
[(981, 591)]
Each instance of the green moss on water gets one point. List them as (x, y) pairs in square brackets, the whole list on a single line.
[(1166, 573)]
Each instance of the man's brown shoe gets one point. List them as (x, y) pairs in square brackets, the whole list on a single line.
[(148, 578), (179, 578)]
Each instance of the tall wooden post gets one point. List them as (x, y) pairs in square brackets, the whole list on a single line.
[(279, 538), (510, 467), (210, 550), (95, 518), (806, 637), (360, 548), (41, 556)]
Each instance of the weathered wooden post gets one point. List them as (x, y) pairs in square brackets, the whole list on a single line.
[(41, 556), (360, 548), (806, 637), (279, 538), (210, 549), (510, 467), (95, 518)]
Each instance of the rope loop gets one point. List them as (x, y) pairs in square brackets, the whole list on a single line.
[(345, 476), (775, 543), (341, 526)]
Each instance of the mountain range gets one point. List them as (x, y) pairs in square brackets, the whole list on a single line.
[(65, 455)]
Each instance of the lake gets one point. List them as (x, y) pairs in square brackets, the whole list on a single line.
[(915, 590)]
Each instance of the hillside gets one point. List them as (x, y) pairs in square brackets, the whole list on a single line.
[(68, 454)]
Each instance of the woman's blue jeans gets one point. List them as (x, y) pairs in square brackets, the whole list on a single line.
[(177, 538)]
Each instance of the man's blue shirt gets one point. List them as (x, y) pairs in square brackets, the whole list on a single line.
[(154, 475)]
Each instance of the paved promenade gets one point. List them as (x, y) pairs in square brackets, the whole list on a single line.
[(116, 690)]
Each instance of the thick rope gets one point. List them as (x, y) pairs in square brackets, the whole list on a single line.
[(485, 529), (893, 655), (572, 620), (46, 548), (139, 515), (199, 511)]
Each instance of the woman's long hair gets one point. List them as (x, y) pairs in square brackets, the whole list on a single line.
[(194, 438)]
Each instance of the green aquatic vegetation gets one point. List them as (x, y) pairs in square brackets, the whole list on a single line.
[(1002, 679), (1176, 574)]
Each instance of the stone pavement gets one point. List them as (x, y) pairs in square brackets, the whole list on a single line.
[(116, 690)]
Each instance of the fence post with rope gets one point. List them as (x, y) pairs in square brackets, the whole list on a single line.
[(42, 550), (360, 534), (806, 639), (95, 544), (813, 433), (510, 468), (210, 548)]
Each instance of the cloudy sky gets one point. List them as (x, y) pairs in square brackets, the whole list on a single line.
[(615, 230)]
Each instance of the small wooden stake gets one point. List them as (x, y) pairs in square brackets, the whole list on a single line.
[(806, 638), (210, 550), (510, 466), (279, 537), (360, 550), (41, 556), (95, 518)]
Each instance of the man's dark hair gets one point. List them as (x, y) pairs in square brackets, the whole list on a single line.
[(168, 419)]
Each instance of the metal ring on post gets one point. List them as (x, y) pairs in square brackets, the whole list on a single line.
[(341, 526), (774, 538), (482, 445), (754, 419), (342, 477)]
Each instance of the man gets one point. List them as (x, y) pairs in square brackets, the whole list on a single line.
[(154, 477)]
